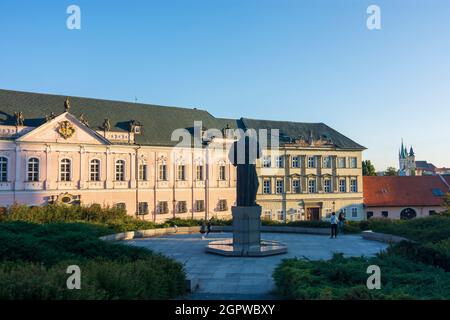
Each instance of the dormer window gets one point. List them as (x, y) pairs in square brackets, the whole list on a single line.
[(135, 127)]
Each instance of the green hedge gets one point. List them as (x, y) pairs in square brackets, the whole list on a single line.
[(34, 259), (345, 278)]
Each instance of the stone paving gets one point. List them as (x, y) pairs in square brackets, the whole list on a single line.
[(249, 276)]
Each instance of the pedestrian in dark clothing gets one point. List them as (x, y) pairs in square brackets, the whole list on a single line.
[(341, 222), (203, 230), (334, 222), (208, 228)]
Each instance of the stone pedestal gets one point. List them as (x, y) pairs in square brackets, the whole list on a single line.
[(246, 240), (246, 227)]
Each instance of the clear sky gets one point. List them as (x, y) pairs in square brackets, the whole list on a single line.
[(310, 61)]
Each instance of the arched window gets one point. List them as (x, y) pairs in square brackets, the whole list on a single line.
[(3, 169), (407, 214), (65, 169), (94, 170), (33, 169), (120, 170)]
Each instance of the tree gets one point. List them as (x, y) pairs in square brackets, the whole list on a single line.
[(447, 202), (368, 169), (391, 171)]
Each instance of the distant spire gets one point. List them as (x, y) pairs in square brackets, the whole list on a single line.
[(403, 152), (411, 152)]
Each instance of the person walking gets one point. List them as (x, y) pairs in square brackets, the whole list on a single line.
[(208, 228), (341, 222), (334, 222), (203, 230)]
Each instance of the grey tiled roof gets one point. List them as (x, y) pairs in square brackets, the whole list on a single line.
[(158, 121), (290, 131)]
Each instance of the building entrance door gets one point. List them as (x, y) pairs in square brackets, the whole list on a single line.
[(313, 214)]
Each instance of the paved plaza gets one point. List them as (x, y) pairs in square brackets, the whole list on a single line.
[(232, 276)]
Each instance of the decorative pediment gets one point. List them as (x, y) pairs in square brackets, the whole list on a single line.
[(64, 128)]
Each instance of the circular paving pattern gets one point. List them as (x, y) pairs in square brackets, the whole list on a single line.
[(247, 276)]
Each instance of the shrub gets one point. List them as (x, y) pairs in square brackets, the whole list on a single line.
[(345, 278), (428, 229), (149, 278), (34, 259)]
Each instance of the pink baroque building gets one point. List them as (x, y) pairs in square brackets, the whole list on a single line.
[(161, 162), (56, 150)]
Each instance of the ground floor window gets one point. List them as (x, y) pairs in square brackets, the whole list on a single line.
[(120, 206), (163, 207), (280, 215), (181, 207), (354, 212), (223, 205), (385, 214), (199, 205), (369, 214), (143, 208)]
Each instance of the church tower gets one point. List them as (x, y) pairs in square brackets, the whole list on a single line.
[(407, 161)]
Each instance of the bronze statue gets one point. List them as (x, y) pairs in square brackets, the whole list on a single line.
[(243, 155), (106, 125), (19, 118), (67, 104), (84, 120)]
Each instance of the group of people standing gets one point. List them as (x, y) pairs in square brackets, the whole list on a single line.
[(337, 223)]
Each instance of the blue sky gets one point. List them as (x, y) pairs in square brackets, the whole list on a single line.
[(310, 61)]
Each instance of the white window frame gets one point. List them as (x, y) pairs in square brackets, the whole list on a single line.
[(355, 212), (96, 163), (4, 166), (329, 188), (142, 171), (342, 165), (199, 172), (342, 187), (312, 162), (33, 174), (119, 170), (296, 162), (64, 174), (312, 185), (296, 186), (162, 172), (222, 172), (353, 162), (353, 185), (267, 187), (267, 162), (327, 162), (280, 162), (181, 172), (279, 186)]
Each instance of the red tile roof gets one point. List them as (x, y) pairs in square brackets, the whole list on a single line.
[(447, 178), (403, 191)]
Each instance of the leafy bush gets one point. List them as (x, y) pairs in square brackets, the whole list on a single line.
[(153, 277), (435, 254), (345, 278), (34, 259), (428, 229)]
